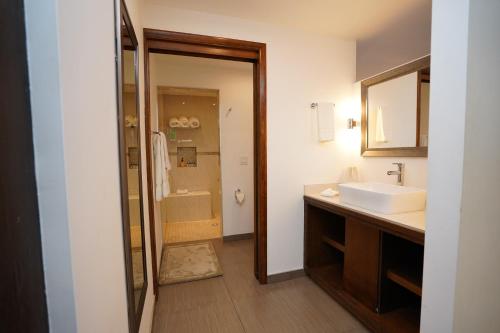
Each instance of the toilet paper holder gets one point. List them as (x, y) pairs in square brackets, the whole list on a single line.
[(239, 196)]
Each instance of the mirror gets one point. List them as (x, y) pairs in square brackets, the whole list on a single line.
[(130, 168), (395, 120)]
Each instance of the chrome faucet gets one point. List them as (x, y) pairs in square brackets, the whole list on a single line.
[(399, 173)]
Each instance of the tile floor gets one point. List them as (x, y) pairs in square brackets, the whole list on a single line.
[(177, 232), (236, 302)]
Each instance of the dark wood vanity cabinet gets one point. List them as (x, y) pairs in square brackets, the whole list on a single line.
[(371, 267), (361, 265)]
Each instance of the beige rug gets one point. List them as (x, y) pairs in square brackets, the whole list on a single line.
[(188, 262)]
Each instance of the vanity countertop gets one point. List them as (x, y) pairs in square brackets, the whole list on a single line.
[(412, 220)]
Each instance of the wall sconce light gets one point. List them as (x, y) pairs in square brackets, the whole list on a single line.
[(351, 123)]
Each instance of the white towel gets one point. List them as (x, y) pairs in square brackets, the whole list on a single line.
[(183, 122), (326, 121), (329, 192), (162, 165), (194, 122), (379, 127), (173, 122), (130, 121)]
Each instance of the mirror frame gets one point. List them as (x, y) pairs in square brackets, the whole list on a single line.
[(405, 69), (134, 316)]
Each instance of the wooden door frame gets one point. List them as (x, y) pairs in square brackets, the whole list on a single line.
[(178, 43)]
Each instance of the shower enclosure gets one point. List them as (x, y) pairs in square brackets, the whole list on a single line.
[(189, 117)]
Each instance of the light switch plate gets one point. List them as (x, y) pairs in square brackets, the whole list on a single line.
[(243, 160)]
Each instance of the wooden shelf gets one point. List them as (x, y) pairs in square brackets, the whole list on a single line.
[(405, 320), (329, 276), (334, 243), (407, 277)]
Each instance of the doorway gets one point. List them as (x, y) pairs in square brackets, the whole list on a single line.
[(175, 43)]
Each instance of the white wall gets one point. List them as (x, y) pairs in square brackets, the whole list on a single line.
[(446, 154), (234, 80), (477, 300), (375, 169), (77, 121), (47, 113), (461, 269), (407, 37), (91, 158), (73, 92), (302, 68)]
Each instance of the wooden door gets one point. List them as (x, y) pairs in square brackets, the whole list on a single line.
[(22, 290), (361, 262)]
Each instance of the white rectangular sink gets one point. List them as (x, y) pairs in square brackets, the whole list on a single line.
[(383, 198)]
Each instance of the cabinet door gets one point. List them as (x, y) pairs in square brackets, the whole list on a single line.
[(361, 265)]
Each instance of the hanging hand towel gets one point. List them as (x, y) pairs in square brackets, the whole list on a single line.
[(379, 129), (162, 165), (325, 121)]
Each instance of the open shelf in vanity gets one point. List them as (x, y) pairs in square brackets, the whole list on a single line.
[(407, 277), (327, 247), (400, 283), (334, 243), (402, 263), (371, 267)]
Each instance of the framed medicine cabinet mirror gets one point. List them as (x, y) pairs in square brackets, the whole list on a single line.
[(395, 111)]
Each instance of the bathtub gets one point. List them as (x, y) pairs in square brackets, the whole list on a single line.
[(192, 206)]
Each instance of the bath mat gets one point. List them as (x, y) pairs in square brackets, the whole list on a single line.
[(188, 262)]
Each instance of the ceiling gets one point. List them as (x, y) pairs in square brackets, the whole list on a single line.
[(349, 19)]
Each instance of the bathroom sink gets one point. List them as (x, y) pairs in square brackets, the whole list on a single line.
[(383, 198)]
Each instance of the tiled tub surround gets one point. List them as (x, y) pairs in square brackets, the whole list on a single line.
[(205, 177), (191, 206)]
